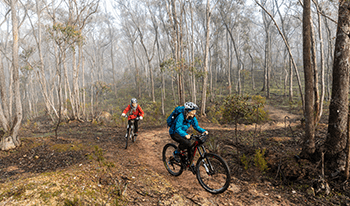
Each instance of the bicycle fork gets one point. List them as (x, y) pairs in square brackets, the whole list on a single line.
[(131, 128), (127, 131), (206, 164)]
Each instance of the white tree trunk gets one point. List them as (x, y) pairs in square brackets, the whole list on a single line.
[(206, 61), (11, 139)]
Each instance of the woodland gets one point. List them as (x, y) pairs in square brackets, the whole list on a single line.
[(271, 79)]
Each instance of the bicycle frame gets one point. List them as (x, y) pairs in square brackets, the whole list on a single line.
[(131, 124), (197, 147)]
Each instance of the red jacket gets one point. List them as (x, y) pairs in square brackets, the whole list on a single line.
[(138, 112)]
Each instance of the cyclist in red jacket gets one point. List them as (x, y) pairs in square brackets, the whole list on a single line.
[(134, 111)]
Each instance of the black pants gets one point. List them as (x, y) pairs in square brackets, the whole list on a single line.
[(136, 125), (183, 143)]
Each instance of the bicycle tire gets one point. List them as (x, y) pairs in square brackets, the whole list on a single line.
[(212, 173), (169, 160)]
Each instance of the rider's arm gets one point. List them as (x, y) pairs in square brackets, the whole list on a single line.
[(141, 113), (179, 121), (195, 125), (126, 109)]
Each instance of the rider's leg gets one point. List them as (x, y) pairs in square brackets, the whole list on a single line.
[(183, 143), (136, 127)]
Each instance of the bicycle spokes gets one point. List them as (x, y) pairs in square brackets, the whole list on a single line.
[(213, 173), (173, 165)]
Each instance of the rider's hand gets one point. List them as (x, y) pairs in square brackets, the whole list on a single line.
[(188, 136), (205, 133), (123, 114), (141, 117)]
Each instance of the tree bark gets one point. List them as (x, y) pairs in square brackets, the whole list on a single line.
[(320, 112), (206, 60), (315, 75), (338, 109), (16, 80), (309, 139), (11, 139), (194, 91)]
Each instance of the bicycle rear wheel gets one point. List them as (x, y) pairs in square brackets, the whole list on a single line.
[(213, 173), (173, 165)]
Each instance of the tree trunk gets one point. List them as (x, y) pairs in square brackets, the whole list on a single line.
[(11, 139), (137, 76), (309, 139), (16, 80), (173, 90), (252, 72), (290, 80), (194, 91), (322, 63), (228, 63), (4, 119), (315, 74), (83, 84), (206, 60), (338, 109), (42, 76)]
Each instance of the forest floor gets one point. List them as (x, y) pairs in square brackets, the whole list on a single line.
[(88, 165)]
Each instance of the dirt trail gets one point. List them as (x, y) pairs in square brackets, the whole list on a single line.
[(148, 149)]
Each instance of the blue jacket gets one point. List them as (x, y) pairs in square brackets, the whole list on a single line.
[(182, 125)]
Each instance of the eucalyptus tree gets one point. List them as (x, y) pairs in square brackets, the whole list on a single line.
[(287, 31), (230, 12), (80, 13), (209, 9), (175, 13), (161, 55), (148, 52), (97, 44), (113, 40), (11, 124), (131, 34), (166, 26), (40, 6), (289, 50)]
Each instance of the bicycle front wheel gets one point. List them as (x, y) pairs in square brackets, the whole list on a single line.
[(213, 173), (171, 163)]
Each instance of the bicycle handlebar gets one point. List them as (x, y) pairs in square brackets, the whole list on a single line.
[(137, 118), (201, 138)]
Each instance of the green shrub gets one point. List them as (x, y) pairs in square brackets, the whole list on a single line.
[(260, 161), (245, 161)]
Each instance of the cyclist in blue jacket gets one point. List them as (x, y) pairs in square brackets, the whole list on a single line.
[(183, 121)]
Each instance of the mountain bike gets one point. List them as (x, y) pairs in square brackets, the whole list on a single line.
[(130, 131), (211, 170)]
